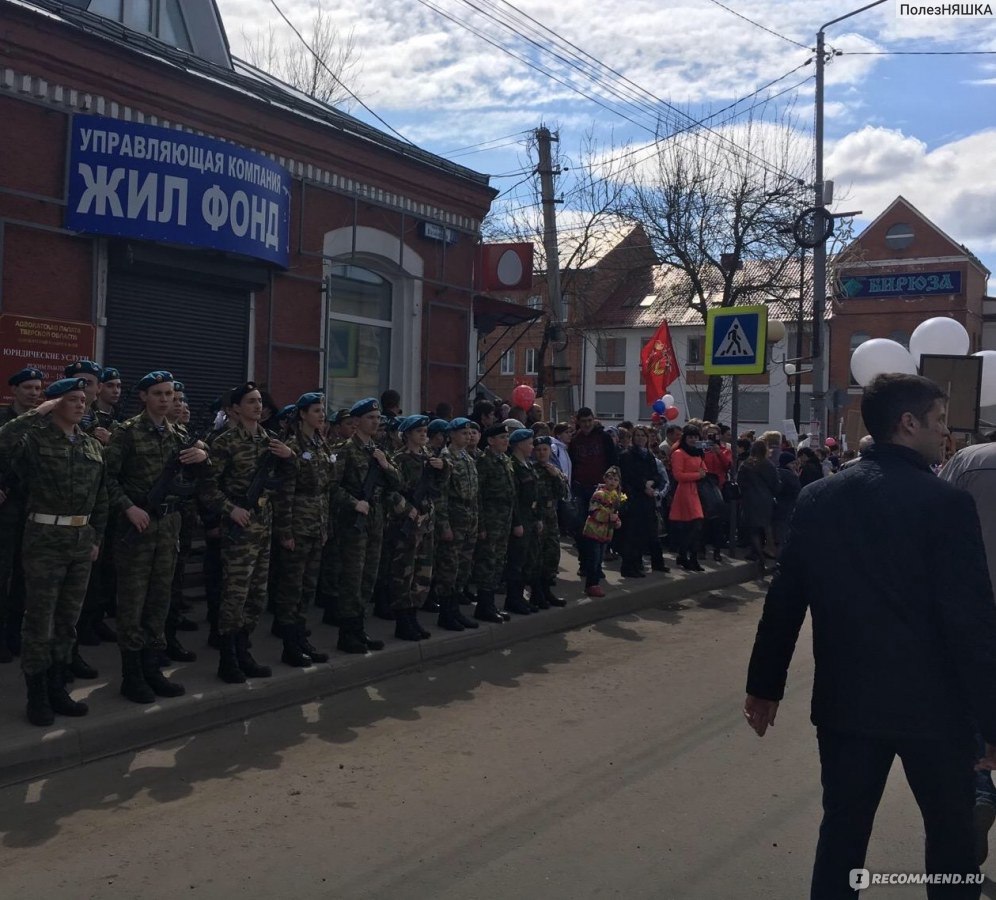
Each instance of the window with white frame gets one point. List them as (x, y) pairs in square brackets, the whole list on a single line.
[(532, 359), (695, 350), (610, 404), (610, 352), (508, 362)]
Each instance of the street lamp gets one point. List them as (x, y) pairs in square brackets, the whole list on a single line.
[(820, 250)]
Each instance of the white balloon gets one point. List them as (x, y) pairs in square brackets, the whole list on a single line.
[(668, 399), (939, 336), (880, 356), (987, 397)]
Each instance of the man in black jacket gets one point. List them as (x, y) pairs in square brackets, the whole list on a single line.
[(904, 637)]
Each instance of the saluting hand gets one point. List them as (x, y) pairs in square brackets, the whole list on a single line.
[(138, 517), (193, 455), (279, 448), (46, 406)]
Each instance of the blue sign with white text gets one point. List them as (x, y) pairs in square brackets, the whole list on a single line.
[(160, 184), (901, 285)]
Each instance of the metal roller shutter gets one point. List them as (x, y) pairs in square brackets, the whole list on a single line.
[(197, 330)]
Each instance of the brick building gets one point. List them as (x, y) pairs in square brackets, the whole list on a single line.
[(163, 204)]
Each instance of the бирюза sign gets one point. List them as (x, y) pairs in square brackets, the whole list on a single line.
[(159, 184), (905, 284)]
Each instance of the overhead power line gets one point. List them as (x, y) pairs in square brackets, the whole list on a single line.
[(916, 53), (759, 25)]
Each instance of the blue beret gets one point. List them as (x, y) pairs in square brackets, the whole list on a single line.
[(154, 378), (545, 440), (179, 387), (111, 374), (64, 386), (362, 407), (519, 435), (285, 411), (308, 399), (28, 374), (460, 422), (237, 393), (438, 426), (83, 367), (410, 422)]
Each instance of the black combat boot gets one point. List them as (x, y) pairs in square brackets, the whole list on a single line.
[(432, 603), (369, 641), (80, 667), (413, 614), (486, 611), (293, 654), (468, 596), (461, 618), (154, 678), (537, 597), (301, 634), (406, 627), (449, 615), (228, 663), (351, 636), (247, 664), (514, 602), (133, 684), (175, 650), (39, 708), (551, 598), (693, 561), (657, 564), (58, 696)]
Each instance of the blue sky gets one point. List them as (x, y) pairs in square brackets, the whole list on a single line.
[(923, 126)]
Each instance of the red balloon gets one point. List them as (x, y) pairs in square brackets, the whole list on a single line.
[(523, 396), (672, 413)]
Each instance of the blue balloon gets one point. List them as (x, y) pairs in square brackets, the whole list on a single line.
[(659, 406)]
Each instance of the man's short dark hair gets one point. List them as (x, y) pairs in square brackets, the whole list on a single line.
[(482, 408), (888, 397), (584, 413), (560, 428), (390, 399)]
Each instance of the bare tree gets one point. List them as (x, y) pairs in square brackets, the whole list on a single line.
[(323, 74), (719, 212)]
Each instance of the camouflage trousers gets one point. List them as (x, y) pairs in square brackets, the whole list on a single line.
[(11, 567), (330, 574), (549, 552), (188, 524), (359, 560), (101, 592), (245, 567), (411, 568), (299, 573), (145, 582), (491, 551), (523, 565), (425, 563), (56, 572), (455, 559)]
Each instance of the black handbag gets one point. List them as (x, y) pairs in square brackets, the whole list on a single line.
[(711, 498), (731, 491)]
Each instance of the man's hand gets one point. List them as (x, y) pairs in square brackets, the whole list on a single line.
[(287, 544), (761, 713), (362, 507), (240, 516), (988, 762), (437, 462), (413, 514), (482, 535), (94, 552), (381, 459), (138, 517), (46, 406), (277, 448), (517, 531), (193, 455), (102, 435), (446, 535)]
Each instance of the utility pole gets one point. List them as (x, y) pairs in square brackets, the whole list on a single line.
[(819, 413), (558, 327)]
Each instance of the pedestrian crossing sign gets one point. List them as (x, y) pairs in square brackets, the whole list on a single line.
[(736, 340)]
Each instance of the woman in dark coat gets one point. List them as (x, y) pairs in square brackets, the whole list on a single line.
[(811, 469), (640, 481), (758, 481)]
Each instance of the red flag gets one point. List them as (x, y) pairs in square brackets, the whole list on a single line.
[(659, 363)]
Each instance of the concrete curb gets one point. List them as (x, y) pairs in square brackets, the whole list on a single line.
[(27, 754)]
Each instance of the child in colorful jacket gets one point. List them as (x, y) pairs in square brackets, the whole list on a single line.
[(603, 520)]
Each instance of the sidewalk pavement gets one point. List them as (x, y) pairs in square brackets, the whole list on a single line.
[(115, 725)]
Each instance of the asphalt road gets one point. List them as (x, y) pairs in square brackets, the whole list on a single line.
[(612, 761)]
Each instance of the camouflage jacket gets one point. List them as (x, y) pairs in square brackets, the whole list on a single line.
[(412, 467), (61, 476), (527, 511), (351, 464), (496, 484), (8, 414), (303, 499), (102, 419), (235, 453), (12, 431), (461, 493), (135, 459), (552, 488)]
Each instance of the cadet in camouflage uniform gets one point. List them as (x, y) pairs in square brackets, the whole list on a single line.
[(411, 523), (359, 524), (236, 456), (101, 592), (301, 524), (425, 595), (90, 373), (527, 527), (552, 489), (343, 428), (456, 528), (26, 386), (496, 506), (139, 451), (62, 472), (211, 520)]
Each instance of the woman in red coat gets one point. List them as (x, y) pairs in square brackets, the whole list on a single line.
[(688, 469)]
